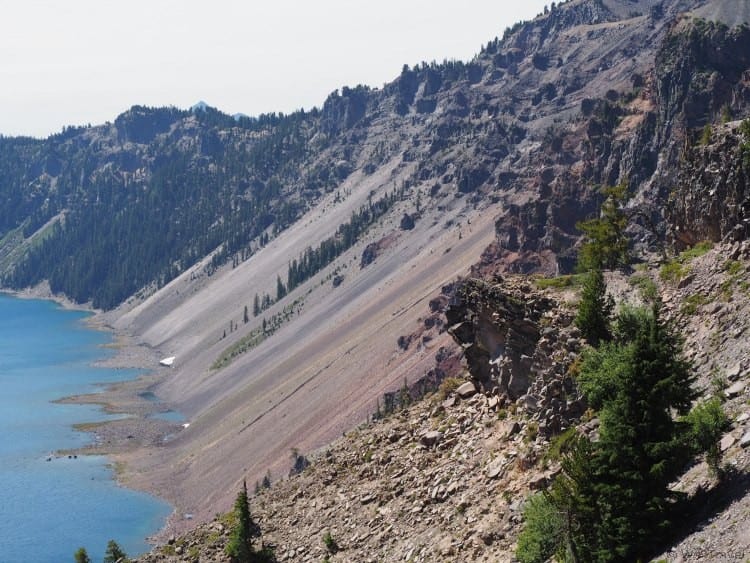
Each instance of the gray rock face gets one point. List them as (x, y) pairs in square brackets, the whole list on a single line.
[(507, 348), (431, 438)]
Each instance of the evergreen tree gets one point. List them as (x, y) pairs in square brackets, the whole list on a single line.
[(81, 556), (240, 546), (114, 553), (637, 386), (612, 497), (280, 289), (245, 316), (266, 483), (595, 308), (605, 244)]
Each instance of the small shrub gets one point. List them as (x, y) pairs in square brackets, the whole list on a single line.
[(646, 287), (718, 383), (448, 386), (543, 528), (330, 543), (673, 271), (691, 304), (532, 431), (732, 267), (560, 444), (708, 422)]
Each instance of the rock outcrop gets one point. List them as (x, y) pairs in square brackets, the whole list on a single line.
[(518, 344), (711, 199)]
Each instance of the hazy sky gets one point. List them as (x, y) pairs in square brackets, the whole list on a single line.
[(72, 62)]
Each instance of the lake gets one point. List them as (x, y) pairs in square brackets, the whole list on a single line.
[(50, 508)]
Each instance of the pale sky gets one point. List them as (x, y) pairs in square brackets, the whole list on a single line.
[(73, 62)]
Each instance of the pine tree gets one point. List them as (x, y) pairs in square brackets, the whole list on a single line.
[(595, 308), (114, 553), (240, 546), (81, 556), (605, 244), (637, 386), (280, 289), (612, 500)]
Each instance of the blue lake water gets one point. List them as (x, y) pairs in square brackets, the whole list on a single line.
[(50, 508)]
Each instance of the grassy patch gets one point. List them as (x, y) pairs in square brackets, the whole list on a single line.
[(732, 267), (646, 287), (257, 335), (673, 271), (691, 304), (677, 268), (559, 282), (696, 251)]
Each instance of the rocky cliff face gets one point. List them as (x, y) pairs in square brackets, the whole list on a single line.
[(711, 198), (518, 344)]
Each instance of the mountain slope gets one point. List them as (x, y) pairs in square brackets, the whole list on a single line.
[(176, 221)]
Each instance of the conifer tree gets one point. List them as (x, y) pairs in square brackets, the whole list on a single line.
[(595, 308), (605, 244), (240, 546), (612, 499), (637, 385), (114, 553), (81, 556)]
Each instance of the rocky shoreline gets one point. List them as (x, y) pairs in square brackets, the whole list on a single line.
[(138, 425)]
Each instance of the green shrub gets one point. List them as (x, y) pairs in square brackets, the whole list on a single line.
[(330, 543), (707, 424), (732, 267), (540, 538), (448, 386), (691, 303), (646, 287), (673, 271), (560, 444)]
